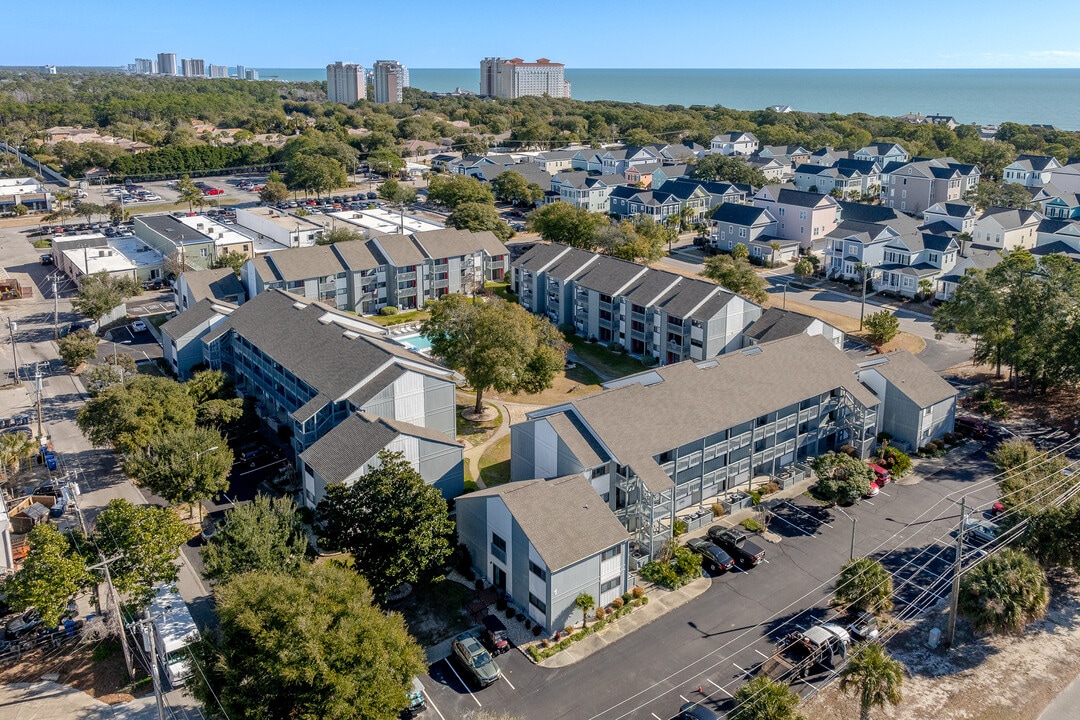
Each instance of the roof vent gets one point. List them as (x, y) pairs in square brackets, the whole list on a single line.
[(751, 351)]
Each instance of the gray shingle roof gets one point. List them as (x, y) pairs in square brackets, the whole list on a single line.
[(303, 263), (775, 324), (1009, 218), (219, 283), (563, 518), (737, 214), (609, 275), (920, 384), (400, 250), (194, 316), (357, 439), (579, 441), (359, 254), (448, 242)]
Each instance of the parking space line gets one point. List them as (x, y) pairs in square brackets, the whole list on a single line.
[(463, 683), (433, 705), (795, 507), (503, 676), (740, 669), (868, 502), (720, 688), (683, 698), (761, 653), (777, 517), (884, 493), (655, 716)]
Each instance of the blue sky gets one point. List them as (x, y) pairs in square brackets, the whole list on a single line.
[(598, 34)]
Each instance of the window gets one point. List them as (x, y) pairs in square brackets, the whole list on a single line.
[(611, 553), (610, 585), (781, 211), (498, 547), (802, 214), (538, 603), (537, 571), (742, 232)]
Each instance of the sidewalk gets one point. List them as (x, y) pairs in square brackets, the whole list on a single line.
[(47, 700)]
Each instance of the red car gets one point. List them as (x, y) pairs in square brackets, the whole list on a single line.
[(213, 191), (997, 508), (881, 475)]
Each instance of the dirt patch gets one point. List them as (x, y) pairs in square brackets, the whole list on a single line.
[(567, 385), (1059, 408), (983, 677), (97, 670), (437, 611)]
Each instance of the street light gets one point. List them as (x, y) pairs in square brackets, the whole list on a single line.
[(853, 520)]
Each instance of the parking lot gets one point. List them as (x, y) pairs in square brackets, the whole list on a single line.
[(716, 641)]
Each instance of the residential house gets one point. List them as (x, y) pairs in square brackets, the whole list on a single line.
[(970, 261), (667, 173), (857, 245), (1002, 228), (687, 151), (790, 155), (181, 335), (1058, 236), (641, 175), (618, 161), (882, 153), (958, 215), (582, 190), (1067, 178), (309, 368), (732, 223), (555, 161), (1056, 204), (680, 437), (650, 313), (531, 172), (846, 178), (735, 143), (914, 186), (1030, 170), (913, 262), (773, 169), (220, 284), (626, 201), (828, 156), (773, 250), (545, 542), (719, 192), (804, 216), (777, 324), (588, 160), (345, 454), (917, 405)]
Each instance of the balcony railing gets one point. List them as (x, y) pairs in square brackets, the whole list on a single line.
[(405, 276)]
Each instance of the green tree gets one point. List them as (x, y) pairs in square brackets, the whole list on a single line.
[(130, 417), (185, 465), (584, 602), (314, 173), (306, 645), (395, 193), (881, 327), (874, 676), (395, 525), (763, 698), (841, 478), (385, 162), (274, 191), (804, 268), (478, 217), (229, 259), (20, 209), (740, 252), (15, 447), (338, 234), (77, 347), (514, 188), (117, 212), (732, 168), (261, 536), (563, 223), (88, 210), (470, 145), (187, 192), (99, 293), (49, 577), (114, 370), (1004, 593), (148, 540), (453, 190), (495, 344), (865, 584), (736, 276)]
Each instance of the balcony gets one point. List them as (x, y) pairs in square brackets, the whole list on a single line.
[(405, 277), (441, 283)]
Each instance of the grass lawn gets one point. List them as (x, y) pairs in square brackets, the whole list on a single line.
[(436, 611), (402, 317), (157, 320), (613, 365), (470, 481), (495, 463), (502, 289), (475, 433), (42, 244)]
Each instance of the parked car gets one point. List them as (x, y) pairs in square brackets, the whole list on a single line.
[(980, 531), (864, 627), (737, 545), (474, 659), (873, 491), (713, 557), (972, 427), (138, 326), (693, 711), (47, 259), (494, 635), (23, 624), (881, 475), (997, 508)]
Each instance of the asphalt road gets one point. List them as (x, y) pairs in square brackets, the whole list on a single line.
[(715, 640)]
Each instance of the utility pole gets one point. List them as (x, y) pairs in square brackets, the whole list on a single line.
[(155, 673), (37, 386), (128, 660), (12, 327), (950, 633), (55, 309), (862, 307)]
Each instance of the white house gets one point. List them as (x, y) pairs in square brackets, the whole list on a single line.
[(737, 143), (1031, 170), (1007, 228)]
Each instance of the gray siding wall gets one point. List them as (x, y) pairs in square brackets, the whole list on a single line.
[(565, 585), (472, 531), (439, 407), (188, 350), (900, 417), (522, 451), (518, 585), (442, 466)]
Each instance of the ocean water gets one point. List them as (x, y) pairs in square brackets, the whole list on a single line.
[(1043, 96)]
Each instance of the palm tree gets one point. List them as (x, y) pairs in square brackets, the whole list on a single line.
[(1004, 592), (188, 193), (865, 584), (775, 248), (740, 251), (765, 699), (875, 676), (584, 602), (14, 448)]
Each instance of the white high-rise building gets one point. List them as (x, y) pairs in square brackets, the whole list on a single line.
[(251, 74), (389, 80), (219, 71), (166, 63), (146, 66), (516, 78), (193, 67), (345, 82)]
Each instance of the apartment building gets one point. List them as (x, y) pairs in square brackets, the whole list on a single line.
[(146, 66), (310, 368), (914, 186), (364, 276), (166, 64), (800, 215), (345, 82), (845, 177), (183, 247), (193, 67), (390, 78), (680, 437), (516, 78), (651, 313), (219, 72)]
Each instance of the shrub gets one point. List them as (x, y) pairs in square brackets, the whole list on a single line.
[(770, 487), (847, 450), (617, 603), (752, 525), (898, 462), (717, 510), (568, 631), (627, 597), (388, 310), (951, 438), (755, 497), (536, 631), (598, 625), (557, 636), (884, 437), (510, 612), (528, 623), (660, 573), (544, 643), (679, 528), (638, 592), (520, 617), (600, 613), (981, 393)]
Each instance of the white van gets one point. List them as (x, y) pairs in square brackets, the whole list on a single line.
[(174, 630)]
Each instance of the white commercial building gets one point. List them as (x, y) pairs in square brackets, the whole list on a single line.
[(391, 77), (516, 78), (146, 66), (384, 222), (345, 82), (193, 67), (219, 71), (166, 63), (278, 226)]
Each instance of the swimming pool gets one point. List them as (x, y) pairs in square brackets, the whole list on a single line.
[(417, 342)]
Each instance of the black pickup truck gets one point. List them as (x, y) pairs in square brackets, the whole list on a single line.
[(736, 544)]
